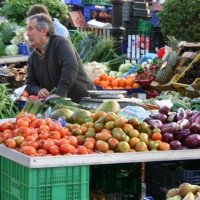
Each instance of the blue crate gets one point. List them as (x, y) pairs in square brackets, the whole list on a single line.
[(74, 2), (155, 20), (23, 49)]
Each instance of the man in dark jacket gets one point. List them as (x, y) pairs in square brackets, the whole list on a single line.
[(54, 63)]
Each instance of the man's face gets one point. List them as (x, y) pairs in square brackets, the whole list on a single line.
[(36, 38)]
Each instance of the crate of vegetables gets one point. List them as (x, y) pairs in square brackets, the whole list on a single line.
[(177, 172), (110, 82), (190, 77)]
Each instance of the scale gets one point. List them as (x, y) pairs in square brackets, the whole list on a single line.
[(89, 103)]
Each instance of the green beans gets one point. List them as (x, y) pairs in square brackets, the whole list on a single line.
[(8, 109)]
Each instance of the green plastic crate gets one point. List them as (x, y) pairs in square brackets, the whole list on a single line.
[(57, 183), (144, 27), (96, 2), (119, 178)]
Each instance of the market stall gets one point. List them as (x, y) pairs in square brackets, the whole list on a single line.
[(140, 113)]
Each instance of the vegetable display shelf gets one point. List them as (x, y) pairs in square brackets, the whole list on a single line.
[(55, 177), (13, 59), (98, 159)]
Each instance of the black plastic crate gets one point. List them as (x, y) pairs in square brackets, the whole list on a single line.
[(162, 176), (13, 83), (119, 178)]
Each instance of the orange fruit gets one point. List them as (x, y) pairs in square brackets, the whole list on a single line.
[(103, 77), (163, 146), (129, 76), (129, 81), (114, 83), (104, 84), (121, 82), (108, 88), (110, 78), (156, 136), (97, 81), (136, 85), (128, 87)]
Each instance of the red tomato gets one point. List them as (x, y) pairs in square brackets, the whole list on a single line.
[(29, 150), (47, 144), (63, 141), (39, 122), (62, 131), (54, 135), (42, 151), (22, 122), (54, 150), (73, 141), (7, 136), (43, 135), (82, 150), (11, 143), (24, 131), (66, 148), (89, 145), (53, 126), (41, 143), (33, 144), (44, 128)]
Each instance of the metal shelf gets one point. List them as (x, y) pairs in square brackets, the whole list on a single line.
[(98, 159), (13, 59)]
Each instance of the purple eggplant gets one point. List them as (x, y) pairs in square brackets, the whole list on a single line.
[(167, 137), (171, 117), (147, 120), (172, 127), (196, 118), (164, 109), (181, 114), (192, 141), (162, 117), (183, 147), (183, 123), (175, 145), (182, 134), (189, 113), (195, 128), (155, 123)]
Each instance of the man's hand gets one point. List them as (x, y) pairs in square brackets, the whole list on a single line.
[(43, 93)]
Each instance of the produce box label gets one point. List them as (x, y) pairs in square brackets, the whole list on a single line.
[(135, 111)]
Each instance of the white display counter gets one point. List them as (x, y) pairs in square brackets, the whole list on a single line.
[(98, 159)]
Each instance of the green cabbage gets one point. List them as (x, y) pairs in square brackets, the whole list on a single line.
[(12, 50)]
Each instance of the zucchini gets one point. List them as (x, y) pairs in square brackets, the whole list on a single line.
[(176, 106)]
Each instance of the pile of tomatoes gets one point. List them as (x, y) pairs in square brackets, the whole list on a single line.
[(104, 132), (40, 137), (110, 82)]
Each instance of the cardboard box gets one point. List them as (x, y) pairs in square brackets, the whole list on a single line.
[(76, 19)]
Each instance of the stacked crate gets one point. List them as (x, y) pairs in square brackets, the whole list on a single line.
[(162, 176), (121, 179), (143, 8)]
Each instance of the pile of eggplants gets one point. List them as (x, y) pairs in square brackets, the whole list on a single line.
[(180, 129)]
